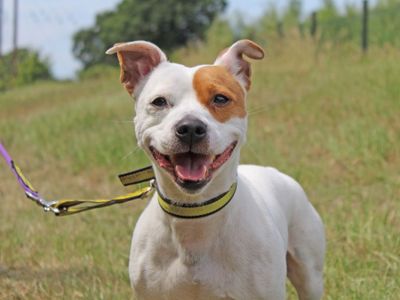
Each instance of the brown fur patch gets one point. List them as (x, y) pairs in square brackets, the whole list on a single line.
[(209, 81)]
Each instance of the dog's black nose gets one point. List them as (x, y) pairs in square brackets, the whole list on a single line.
[(190, 130)]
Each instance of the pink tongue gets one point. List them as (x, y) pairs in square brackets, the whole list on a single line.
[(189, 166)]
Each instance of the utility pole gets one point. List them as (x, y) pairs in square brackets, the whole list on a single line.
[(1, 27), (314, 25), (15, 38), (364, 32)]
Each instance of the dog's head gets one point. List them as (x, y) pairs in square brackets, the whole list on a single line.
[(190, 121)]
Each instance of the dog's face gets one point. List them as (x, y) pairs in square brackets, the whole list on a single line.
[(190, 121)]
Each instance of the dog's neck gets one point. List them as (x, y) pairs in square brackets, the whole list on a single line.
[(196, 237)]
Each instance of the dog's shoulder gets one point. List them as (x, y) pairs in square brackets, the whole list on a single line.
[(281, 193), (273, 184), (264, 176)]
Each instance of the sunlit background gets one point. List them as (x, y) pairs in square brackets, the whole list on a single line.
[(48, 26)]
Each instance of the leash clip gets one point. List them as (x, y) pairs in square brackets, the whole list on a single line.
[(47, 205), (152, 184)]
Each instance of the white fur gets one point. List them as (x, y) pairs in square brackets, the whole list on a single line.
[(244, 250)]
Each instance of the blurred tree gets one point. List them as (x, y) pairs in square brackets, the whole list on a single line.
[(30, 68), (220, 35), (292, 14), (265, 27), (328, 11), (168, 23), (387, 3)]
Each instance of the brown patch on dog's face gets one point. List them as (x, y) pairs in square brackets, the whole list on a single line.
[(210, 81)]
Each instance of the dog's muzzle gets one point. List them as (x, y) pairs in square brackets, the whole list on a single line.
[(191, 163)]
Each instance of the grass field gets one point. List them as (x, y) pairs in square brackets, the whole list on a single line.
[(329, 118)]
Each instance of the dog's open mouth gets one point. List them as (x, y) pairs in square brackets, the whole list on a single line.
[(192, 170)]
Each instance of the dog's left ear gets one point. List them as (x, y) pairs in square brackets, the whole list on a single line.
[(136, 59), (232, 59)]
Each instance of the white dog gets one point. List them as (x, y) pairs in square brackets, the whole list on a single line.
[(214, 229)]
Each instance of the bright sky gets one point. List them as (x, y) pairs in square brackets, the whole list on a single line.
[(48, 25)]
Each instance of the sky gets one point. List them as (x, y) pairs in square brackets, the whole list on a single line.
[(48, 25)]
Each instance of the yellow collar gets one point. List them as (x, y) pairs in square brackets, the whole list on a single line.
[(197, 210), (180, 210)]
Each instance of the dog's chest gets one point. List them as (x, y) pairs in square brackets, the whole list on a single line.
[(182, 265), (240, 257), (181, 276), (229, 269)]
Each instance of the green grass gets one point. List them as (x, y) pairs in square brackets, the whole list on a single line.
[(328, 118)]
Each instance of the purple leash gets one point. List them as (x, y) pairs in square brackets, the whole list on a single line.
[(25, 184), (64, 207)]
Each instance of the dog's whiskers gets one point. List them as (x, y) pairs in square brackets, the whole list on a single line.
[(136, 149), (257, 110), (255, 154), (122, 121)]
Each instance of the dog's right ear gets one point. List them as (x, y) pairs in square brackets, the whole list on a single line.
[(136, 59)]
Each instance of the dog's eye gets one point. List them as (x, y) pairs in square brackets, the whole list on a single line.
[(220, 100), (159, 102)]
